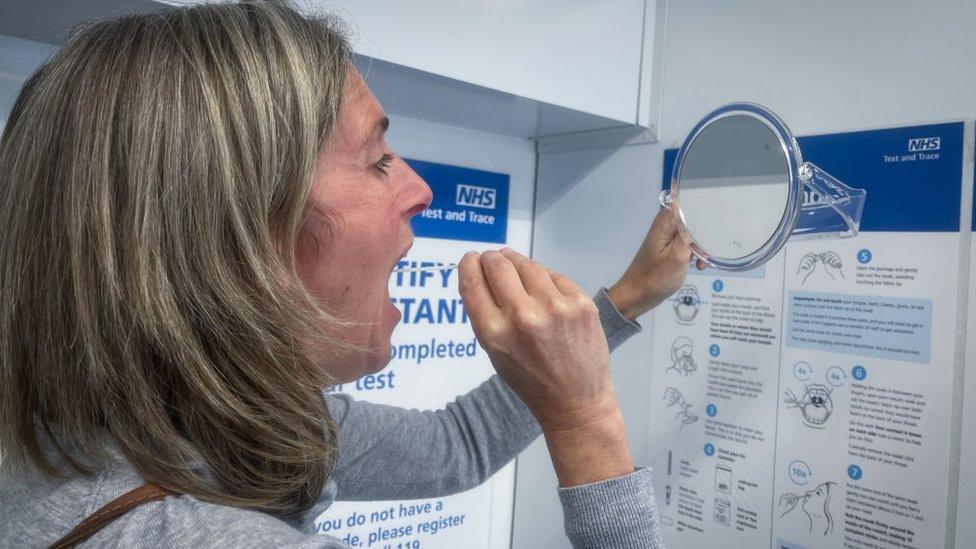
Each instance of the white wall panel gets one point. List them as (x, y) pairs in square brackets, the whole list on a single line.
[(824, 66)]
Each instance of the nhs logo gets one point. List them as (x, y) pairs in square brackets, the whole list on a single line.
[(475, 197), (924, 144)]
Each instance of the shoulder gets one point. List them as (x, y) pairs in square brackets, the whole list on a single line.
[(38, 509), (184, 521), (339, 404)]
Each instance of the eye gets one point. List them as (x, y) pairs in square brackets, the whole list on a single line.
[(383, 164)]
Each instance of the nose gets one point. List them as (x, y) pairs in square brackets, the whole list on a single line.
[(415, 194)]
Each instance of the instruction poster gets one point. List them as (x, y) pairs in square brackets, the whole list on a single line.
[(435, 358), (806, 404)]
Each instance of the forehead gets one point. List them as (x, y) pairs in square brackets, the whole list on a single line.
[(359, 111)]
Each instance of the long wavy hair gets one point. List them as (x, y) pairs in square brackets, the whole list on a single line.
[(154, 177)]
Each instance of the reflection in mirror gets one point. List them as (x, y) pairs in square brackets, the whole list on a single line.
[(734, 186)]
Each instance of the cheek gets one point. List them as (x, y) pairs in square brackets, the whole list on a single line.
[(311, 254), (348, 269)]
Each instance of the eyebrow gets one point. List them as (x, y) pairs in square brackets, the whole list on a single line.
[(380, 128)]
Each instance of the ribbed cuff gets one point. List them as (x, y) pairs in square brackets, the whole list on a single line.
[(619, 512), (616, 326)]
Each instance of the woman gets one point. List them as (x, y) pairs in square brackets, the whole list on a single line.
[(198, 223)]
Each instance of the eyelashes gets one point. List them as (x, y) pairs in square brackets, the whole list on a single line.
[(384, 163)]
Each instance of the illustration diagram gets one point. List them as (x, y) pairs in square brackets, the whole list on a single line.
[(815, 404), (723, 511), (723, 479), (675, 399), (828, 262), (814, 503), (682, 361), (687, 302)]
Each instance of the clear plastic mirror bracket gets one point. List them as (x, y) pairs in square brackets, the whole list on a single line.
[(830, 208), (665, 198)]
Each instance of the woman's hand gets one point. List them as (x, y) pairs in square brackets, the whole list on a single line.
[(657, 270), (544, 338)]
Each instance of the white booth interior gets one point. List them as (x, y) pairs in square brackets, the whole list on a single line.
[(576, 102)]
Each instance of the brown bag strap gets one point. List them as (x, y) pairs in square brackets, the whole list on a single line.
[(111, 511)]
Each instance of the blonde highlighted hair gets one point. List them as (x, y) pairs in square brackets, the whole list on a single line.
[(154, 176)]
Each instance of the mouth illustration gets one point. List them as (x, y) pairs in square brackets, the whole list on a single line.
[(817, 405), (686, 304)]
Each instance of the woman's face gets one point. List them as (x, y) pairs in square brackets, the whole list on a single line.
[(371, 194)]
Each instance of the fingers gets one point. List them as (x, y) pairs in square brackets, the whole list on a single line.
[(681, 251), (665, 237), (510, 278), (671, 238), (534, 276), (503, 279), (683, 236), (664, 229), (565, 285), (473, 287)]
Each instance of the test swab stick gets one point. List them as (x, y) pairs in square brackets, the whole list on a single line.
[(430, 268)]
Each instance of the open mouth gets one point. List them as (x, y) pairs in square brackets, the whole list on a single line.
[(403, 254)]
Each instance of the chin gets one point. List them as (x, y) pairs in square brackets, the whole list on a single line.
[(378, 359), (375, 346), (369, 362)]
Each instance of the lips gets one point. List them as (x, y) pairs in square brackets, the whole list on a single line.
[(403, 254), (406, 249)]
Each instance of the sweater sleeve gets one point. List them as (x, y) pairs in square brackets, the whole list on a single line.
[(387, 452), (617, 513), (616, 326)]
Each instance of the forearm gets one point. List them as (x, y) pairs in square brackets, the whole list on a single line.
[(630, 301), (606, 502), (594, 449), (387, 452)]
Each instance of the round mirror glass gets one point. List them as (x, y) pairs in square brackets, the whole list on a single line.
[(733, 187)]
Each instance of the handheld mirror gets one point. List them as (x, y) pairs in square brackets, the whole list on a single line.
[(740, 189)]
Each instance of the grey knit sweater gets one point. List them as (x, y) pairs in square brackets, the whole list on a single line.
[(385, 453)]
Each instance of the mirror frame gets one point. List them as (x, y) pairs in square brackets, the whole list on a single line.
[(794, 200)]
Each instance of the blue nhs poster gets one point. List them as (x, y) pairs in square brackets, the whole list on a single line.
[(806, 406), (468, 204)]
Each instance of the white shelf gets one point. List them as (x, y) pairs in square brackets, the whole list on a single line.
[(403, 90)]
